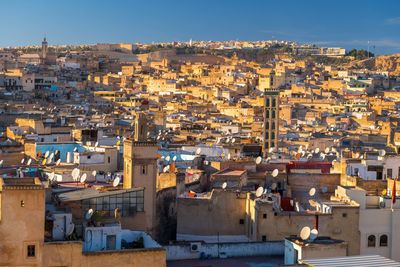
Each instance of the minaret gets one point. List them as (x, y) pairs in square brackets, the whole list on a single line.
[(44, 50), (140, 169), (271, 120)]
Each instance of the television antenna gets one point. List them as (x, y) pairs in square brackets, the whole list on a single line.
[(224, 185), (89, 214), (313, 234), (116, 181), (312, 192), (305, 233), (83, 178), (259, 191)]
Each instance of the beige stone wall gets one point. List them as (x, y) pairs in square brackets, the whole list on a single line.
[(21, 226), (70, 254), (219, 215)]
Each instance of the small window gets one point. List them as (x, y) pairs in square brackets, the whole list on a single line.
[(109, 159), (389, 173), (144, 169), (31, 251), (264, 216), (89, 157), (241, 221), (383, 241), (371, 241), (264, 238), (344, 215)]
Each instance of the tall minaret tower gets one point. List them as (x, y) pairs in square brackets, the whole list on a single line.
[(44, 50), (271, 119)]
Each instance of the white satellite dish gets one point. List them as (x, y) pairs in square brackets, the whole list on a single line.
[(275, 173), (198, 151), (271, 150), (305, 233), (317, 150), (96, 144), (259, 191), (83, 178), (382, 152), (94, 173), (313, 234), (75, 149), (258, 160), (229, 156), (327, 150), (22, 161), (312, 191), (75, 174), (233, 140), (116, 181), (46, 155), (224, 185), (89, 214), (1, 163), (206, 162), (58, 162), (29, 162), (174, 158), (273, 186), (51, 176), (70, 229), (166, 168), (322, 156), (51, 156), (167, 158)]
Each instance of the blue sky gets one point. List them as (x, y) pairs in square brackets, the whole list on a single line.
[(350, 23)]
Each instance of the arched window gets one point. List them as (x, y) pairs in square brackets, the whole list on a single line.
[(383, 241), (371, 241)]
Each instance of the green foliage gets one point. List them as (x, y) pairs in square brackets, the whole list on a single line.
[(360, 54)]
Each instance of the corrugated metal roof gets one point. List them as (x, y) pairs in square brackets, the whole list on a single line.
[(356, 261)]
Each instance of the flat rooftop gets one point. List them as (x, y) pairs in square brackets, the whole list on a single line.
[(229, 262), (365, 261)]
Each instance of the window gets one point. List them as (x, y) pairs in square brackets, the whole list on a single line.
[(109, 159), (241, 221), (264, 238), (264, 216), (344, 215), (30, 252), (356, 171), (371, 241), (389, 173), (383, 241), (89, 157), (144, 169)]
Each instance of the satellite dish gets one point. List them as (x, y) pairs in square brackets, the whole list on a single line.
[(198, 151), (271, 150), (117, 213), (273, 186), (58, 162), (89, 214), (259, 191), (83, 178), (70, 229), (224, 185), (174, 158), (1, 163), (322, 156), (258, 160), (382, 152), (75, 149), (51, 176), (233, 140), (305, 233), (317, 150), (166, 168), (96, 144), (229, 155), (313, 234), (327, 150), (44, 162), (275, 173), (94, 173), (29, 162), (167, 158), (206, 162), (116, 181), (51, 156), (75, 174), (22, 161), (46, 155), (312, 191)]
